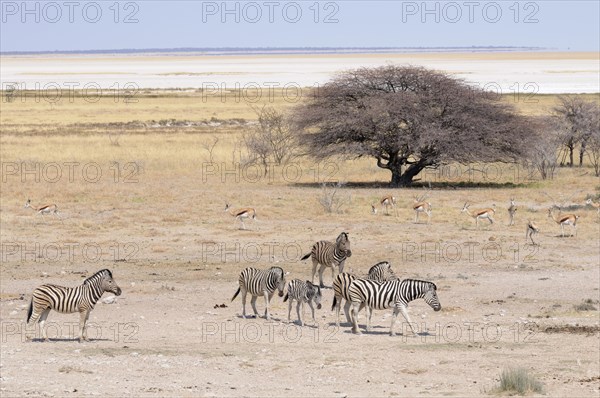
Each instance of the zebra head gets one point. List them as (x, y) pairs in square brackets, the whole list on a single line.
[(106, 281), (342, 244), (314, 293), (415, 289), (279, 279), (431, 297)]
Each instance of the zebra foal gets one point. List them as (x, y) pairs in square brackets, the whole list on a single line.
[(302, 292), (329, 254), (68, 300), (260, 283), (380, 272), (383, 295)]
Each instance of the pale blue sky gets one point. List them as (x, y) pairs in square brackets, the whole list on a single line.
[(560, 25)]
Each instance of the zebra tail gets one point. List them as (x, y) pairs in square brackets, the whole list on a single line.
[(286, 297), (236, 293), (30, 311), (334, 302), (305, 257)]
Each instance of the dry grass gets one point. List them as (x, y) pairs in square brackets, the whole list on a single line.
[(518, 381)]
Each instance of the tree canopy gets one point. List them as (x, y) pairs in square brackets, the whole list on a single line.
[(410, 118)]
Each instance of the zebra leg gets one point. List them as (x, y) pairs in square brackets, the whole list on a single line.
[(267, 299), (244, 292), (43, 317), (314, 269), (298, 306), (354, 314), (394, 316), (405, 315), (321, 269), (83, 317), (369, 314), (290, 309), (253, 304), (346, 311)]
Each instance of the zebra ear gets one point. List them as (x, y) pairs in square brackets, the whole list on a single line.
[(287, 273)]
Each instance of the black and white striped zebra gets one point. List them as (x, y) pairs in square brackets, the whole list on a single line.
[(259, 282), (380, 272), (302, 292), (329, 254), (395, 293), (67, 300)]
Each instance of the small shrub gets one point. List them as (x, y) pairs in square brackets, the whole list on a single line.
[(587, 305), (518, 380), (331, 199)]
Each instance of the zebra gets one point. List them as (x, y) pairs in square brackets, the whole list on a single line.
[(395, 293), (303, 292), (329, 254), (68, 300), (380, 272), (260, 283)]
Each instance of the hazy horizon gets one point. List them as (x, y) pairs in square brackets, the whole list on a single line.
[(97, 26)]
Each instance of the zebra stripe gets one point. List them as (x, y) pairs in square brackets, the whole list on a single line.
[(329, 254), (380, 272), (395, 293), (260, 283), (302, 292), (67, 300)]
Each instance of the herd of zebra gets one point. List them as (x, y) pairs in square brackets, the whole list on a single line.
[(381, 289)]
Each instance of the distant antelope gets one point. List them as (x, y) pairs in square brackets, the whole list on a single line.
[(564, 219), (482, 213), (48, 209), (388, 201), (240, 214), (596, 205), (531, 230), (512, 209), (420, 206), (373, 209)]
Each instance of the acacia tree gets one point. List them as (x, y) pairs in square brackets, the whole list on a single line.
[(273, 139), (577, 119), (409, 119)]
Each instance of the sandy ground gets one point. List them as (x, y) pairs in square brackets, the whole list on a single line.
[(174, 331)]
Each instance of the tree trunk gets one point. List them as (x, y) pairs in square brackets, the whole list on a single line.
[(581, 153), (571, 149), (396, 176), (411, 172)]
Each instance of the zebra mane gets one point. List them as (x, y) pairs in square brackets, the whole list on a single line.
[(277, 268), (379, 263), (102, 272), (420, 281)]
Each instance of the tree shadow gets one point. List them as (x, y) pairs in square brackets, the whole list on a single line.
[(441, 185), (64, 340)]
